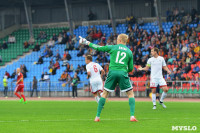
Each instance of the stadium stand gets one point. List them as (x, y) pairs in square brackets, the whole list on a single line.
[(178, 42)]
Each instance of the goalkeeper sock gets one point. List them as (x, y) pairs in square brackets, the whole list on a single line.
[(154, 98), (97, 99), (132, 105), (100, 106)]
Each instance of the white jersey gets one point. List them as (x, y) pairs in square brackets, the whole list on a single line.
[(156, 65), (94, 69)]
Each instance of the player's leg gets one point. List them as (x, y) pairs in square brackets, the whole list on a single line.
[(96, 97), (22, 93), (153, 90), (101, 104), (158, 93), (130, 95), (126, 86), (15, 92), (109, 86), (94, 90), (163, 85), (153, 85)]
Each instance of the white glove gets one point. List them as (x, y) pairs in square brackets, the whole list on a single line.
[(83, 41)]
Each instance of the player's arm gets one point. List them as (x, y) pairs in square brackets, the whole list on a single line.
[(167, 69), (100, 48), (19, 80), (88, 75), (94, 46), (88, 71), (130, 64), (145, 68), (102, 73), (165, 66)]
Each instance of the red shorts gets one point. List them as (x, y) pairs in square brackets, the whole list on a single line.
[(20, 88)]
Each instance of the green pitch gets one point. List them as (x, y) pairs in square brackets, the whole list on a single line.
[(77, 117)]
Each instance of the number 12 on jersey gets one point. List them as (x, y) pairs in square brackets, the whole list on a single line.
[(123, 55)]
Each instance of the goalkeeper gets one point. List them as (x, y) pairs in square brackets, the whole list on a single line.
[(121, 62)]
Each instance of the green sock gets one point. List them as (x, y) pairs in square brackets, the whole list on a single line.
[(132, 105), (100, 106)]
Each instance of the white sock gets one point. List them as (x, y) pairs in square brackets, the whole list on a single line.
[(101, 94), (97, 99), (154, 99), (164, 94)]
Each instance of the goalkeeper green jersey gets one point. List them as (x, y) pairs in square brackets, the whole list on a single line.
[(121, 57)]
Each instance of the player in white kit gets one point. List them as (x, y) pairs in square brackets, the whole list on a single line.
[(93, 72), (156, 63)]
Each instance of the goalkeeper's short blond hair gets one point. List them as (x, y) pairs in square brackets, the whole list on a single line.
[(123, 37)]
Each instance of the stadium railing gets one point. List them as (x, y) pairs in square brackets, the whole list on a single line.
[(141, 89)]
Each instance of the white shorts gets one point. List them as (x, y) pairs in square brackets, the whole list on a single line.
[(155, 82), (96, 86)]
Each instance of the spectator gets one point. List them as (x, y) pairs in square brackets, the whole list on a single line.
[(37, 47), (54, 37), (68, 80), (26, 45), (64, 39), (63, 77), (51, 43), (24, 68), (4, 46), (42, 77), (49, 53), (81, 52), (11, 39), (195, 69), (74, 39), (58, 57), (13, 74), (34, 87), (74, 85), (65, 62), (99, 59), (51, 64), (31, 41), (182, 78), (104, 59), (40, 60), (72, 68), (184, 48), (57, 65), (42, 35), (60, 39), (7, 74), (45, 77), (177, 82), (91, 15), (5, 84), (68, 56), (187, 68)]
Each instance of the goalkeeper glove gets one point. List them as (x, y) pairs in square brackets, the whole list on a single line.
[(83, 41)]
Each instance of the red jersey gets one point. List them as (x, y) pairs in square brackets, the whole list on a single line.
[(20, 76)]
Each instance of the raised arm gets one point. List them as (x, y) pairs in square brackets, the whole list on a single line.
[(100, 48), (94, 46)]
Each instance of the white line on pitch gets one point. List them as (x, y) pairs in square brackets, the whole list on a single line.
[(108, 119)]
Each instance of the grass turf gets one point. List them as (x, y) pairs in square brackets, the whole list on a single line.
[(77, 117)]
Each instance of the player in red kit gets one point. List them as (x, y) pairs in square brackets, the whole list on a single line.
[(20, 86)]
